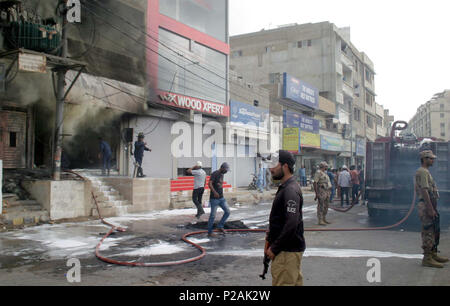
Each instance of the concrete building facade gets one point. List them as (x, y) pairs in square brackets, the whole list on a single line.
[(323, 56), (432, 119)]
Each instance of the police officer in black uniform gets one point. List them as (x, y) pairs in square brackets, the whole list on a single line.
[(285, 242)]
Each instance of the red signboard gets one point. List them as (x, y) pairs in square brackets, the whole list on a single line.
[(194, 104)]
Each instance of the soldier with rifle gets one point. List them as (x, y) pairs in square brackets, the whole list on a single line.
[(427, 208)]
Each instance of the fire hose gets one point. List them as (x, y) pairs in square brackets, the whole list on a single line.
[(203, 251)]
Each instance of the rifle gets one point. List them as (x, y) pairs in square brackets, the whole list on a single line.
[(436, 221), (437, 231), (266, 261)]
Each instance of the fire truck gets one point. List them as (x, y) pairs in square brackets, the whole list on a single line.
[(391, 164)]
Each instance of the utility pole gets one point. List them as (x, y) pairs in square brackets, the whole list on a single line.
[(61, 75)]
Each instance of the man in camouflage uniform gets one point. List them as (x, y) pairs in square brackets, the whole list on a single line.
[(427, 208), (322, 187)]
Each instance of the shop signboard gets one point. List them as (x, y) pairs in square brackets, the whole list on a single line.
[(291, 140), (305, 123), (194, 104), (330, 143), (360, 147), (249, 116), (300, 92), (309, 140)]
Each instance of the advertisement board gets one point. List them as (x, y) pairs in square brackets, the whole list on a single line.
[(360, 146), (199, 105), (300, 92), (249, 116), (330, 143), (305, 123), (309, 140), (291, 140)]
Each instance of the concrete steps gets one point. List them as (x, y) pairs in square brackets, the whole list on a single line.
[(17, 213), (110, 202)]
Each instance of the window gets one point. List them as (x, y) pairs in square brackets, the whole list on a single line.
[(357, 114), (306, 43), (369, 99), (13, 139), (274, 78), (209, 17), (189, 77), (442, 107), (442, 115), (237, 53), (369, 76), (268, 49), (379, 121), (369, 121)]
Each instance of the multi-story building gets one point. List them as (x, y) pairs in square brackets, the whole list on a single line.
[(432, 119), (323, 57), (187, 76)]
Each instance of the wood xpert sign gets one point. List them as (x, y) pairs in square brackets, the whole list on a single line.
[(194, 104)]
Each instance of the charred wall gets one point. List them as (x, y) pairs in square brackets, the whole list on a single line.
[(108, 52)]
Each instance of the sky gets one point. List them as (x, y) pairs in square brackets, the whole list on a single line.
[(407, 40)]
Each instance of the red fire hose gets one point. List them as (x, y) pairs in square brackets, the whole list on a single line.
[(203, 251)]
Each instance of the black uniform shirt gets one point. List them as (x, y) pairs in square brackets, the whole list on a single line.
[(286, 219), (139, 148)]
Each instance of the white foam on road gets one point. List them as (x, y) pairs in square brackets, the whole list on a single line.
[(325, 252), (57, 241), (162, 248)]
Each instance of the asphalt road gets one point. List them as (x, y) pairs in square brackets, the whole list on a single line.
[(39, 255)]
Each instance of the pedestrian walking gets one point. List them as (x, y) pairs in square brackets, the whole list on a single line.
[(330, 174), (302, 175), (261, 176), (216, 199), (338, 188), (428, 195), (322, 188), (139, 147), (344, 183), (285, 242), (199, 187), (354, 174), (105, 154)]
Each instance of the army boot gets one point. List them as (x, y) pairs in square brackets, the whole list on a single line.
[(326, 221), (321, 222), (428, 261), (438, 258)]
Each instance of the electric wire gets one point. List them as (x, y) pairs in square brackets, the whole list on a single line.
[(171, 48)]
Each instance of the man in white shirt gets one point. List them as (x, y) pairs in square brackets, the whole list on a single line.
[(345, 182), (199, 186)]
